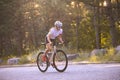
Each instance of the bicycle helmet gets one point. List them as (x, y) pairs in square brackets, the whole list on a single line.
[(58, 24)]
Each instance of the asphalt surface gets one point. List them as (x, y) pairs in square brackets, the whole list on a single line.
[(73, 72)]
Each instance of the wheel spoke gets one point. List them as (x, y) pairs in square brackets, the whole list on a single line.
[(41, 62), (60, 61)]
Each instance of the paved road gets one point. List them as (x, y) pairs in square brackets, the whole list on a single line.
[(73, 72)]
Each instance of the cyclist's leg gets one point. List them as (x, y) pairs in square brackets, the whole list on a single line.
[(46, 51), (48, 46)]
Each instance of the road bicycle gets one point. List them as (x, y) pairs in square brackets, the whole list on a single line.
[(56, 58)]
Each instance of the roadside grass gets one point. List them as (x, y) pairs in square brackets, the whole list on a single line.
[(110, 56), (84, 55), (29, 58)]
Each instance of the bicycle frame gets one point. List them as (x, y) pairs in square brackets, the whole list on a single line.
[(54, 51), (53, 60)]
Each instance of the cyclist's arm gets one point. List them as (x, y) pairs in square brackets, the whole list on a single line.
[(48, 38), (60, 38)]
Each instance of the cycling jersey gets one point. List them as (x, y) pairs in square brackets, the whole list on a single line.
[(54, 33)]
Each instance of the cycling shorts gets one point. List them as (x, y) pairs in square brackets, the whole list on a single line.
[(52, 40)]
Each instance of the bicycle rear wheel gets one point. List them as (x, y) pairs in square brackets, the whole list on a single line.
[(60, 61), (42, 64)]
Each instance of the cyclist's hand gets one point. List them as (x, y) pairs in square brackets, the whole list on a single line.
[(50, 43), (62, 42)]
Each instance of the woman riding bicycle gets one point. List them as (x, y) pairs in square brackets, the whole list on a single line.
[(54, 32), (58, 58)]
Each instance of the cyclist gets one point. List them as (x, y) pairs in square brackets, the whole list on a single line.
[(54, 32)]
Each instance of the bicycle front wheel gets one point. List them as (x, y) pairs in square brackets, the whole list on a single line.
[(42, 63), (60, 61)]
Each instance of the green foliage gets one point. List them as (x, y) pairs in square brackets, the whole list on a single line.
[(94, 59), (24, 24), (24, 59), (110, 56), (29, 58), (100, 57), (117, 57)]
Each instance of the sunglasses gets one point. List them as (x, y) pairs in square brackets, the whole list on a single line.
[(59, 26)]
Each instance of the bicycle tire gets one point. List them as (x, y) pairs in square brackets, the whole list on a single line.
[(42, 65), (60, 61)]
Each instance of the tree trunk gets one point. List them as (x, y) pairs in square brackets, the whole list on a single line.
[(112, 24), (1, 46), (96, 23), (77, 33)]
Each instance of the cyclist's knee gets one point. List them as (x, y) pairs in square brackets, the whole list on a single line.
[(48, 47)]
